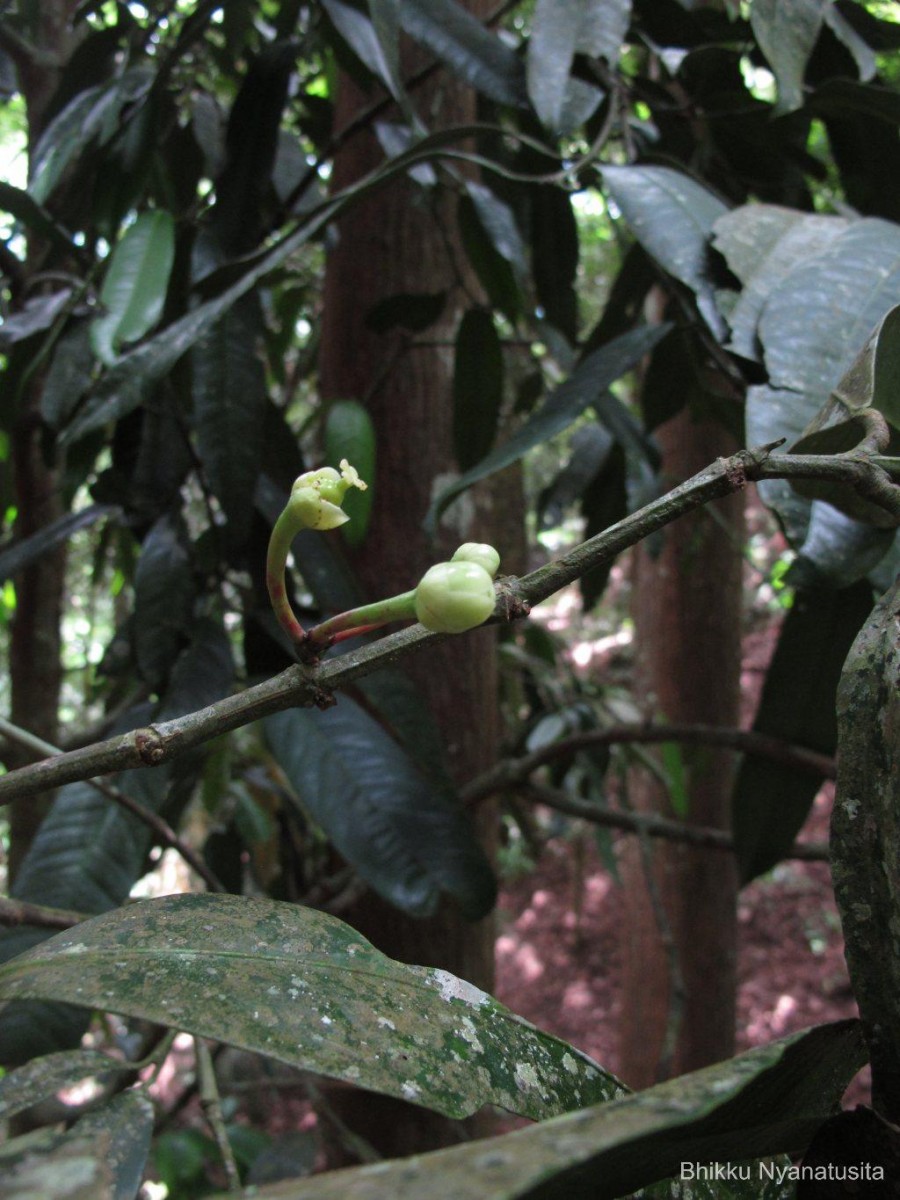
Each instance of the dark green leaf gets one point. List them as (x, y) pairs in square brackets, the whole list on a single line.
[(771, 800), (863, 54), (865, 845), (584, 387), (413, 311), (163, 598), (591, 447), (759, 1104), (26, 209), (473, 53), (53, 1163), (15, 556), (127, 1122), (92, 115), (350, 435), (787, 34), (494, 272), (762, 243), (604, 503), (203, 672), (406, 835), (837, 550), (43, 1077), (37, 315), (229, 410), (477, 387), (673, 217), (554, 256), (69, 375), (499, 223), (305, 988), (372, 40), (135, 284), (560, 30)]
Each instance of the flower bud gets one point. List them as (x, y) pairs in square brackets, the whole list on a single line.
[(481, 553), (316, 496), (454, 596)]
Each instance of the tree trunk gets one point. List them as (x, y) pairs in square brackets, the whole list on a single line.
[(680, 933), (404, 239)]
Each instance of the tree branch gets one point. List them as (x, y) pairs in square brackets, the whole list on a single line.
[(21, 912), (510, 773), (649, 825), (315, 683)]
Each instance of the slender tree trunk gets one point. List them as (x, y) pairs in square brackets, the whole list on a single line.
[(35, 643), (680, 932), (404, 239)]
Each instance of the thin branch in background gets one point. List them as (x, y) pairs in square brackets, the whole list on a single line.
[(650, 825), (20, 912), (314, 684), (211, 1104), (161, 828), (511, 772)]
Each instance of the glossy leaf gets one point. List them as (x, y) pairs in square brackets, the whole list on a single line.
[(838, 550), (203, 672), (127, 1122), (787, 34), (229, 393), (560, 30), (366, 38), (135, 284), (43, 1077), (584, 387), (406, 835), (762, 243), (23, 206), (771, 800), (761, 1103), (475, 54), (499, 223), (493, 270), (477, 387), (672, 216), (163, 597), (35, 316), (350, 435), (301, 986), (92, 115)]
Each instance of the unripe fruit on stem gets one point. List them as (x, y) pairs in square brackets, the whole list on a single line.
[(481, 553), (454, 596)]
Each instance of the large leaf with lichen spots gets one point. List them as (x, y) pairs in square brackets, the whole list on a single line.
[(305, 988), (769, 1100)]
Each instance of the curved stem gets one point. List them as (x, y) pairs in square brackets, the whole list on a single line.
[(283, 533)]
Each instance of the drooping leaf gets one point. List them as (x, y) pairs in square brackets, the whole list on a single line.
[(69, 374), (786, 34), (762, 243), (584, 387), (759, 1104), (55, 1163), (865, 830), (838, 550), (472, 52), (16, 555), (843, 30), (604, 502), (92, 115), (499, 223), (554, 256), (560, 30), (123, 1125), (43, 1077), (202, 673), (229, 395), (163, 597), (771, 800), (35, 316), (135, 284), (85, 858), (477, 387), (673, 217), (494, 271), (405, 834), (350, 435), (305, 988), (373, 39), (23, 206)]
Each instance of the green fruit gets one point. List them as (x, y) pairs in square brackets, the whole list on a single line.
[(454, 596), (481, 553)]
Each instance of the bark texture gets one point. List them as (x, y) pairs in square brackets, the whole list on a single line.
[(680, 932)]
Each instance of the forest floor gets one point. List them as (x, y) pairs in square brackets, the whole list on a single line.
[(559, 959)]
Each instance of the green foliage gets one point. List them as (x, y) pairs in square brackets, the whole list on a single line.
[(162, 293)]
